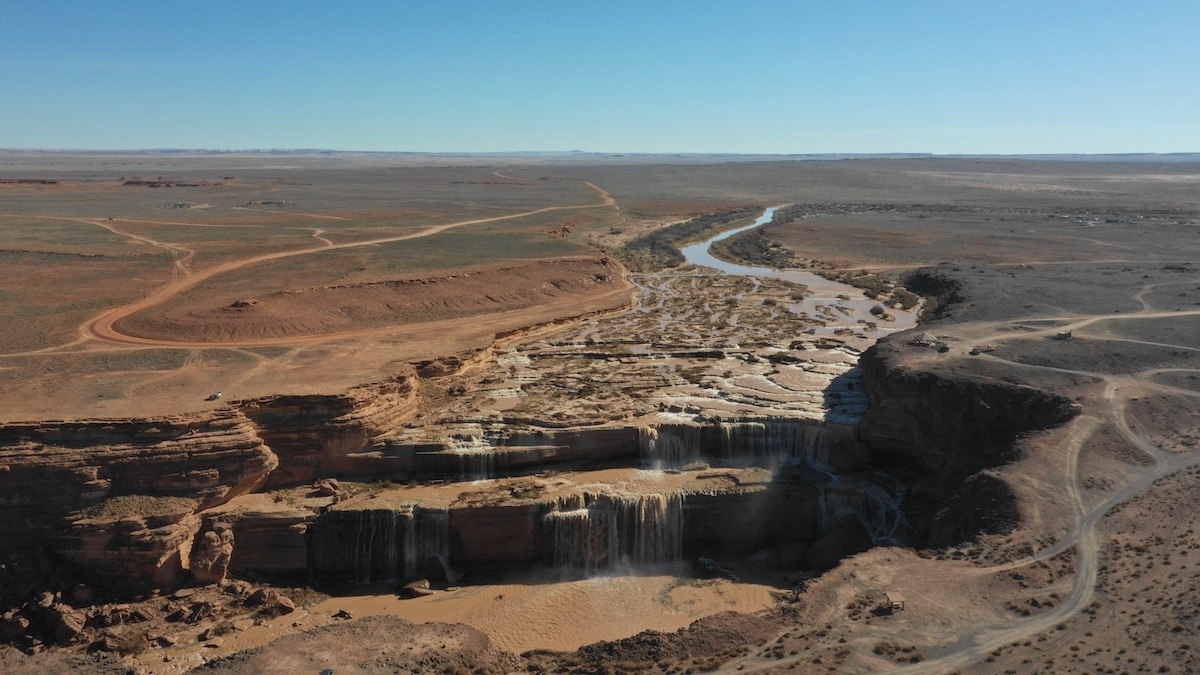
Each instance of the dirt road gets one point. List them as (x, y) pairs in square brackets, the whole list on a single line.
[(975, 643), (103, 326)]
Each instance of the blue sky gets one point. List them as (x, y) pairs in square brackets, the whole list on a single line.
[(969, 76)]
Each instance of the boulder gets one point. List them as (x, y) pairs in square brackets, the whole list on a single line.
[(64, 623), (13, 626), (82, 594), (327, 487), (262, 596), (272, 601), (198, 612), (416, 589), (107, 642)]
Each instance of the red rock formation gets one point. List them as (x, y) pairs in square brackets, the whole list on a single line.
[(319, 436), (118, 497)]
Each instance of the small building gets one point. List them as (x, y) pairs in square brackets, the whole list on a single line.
[(1063, 335), (895, 601)]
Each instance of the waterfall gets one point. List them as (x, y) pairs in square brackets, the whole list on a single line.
[(378, 545), (599, 531), (837, 432), (765, 442), (426, 535), (878, 510), (476, 455), (363, 546), (578, 539), (778, 440), (670, 446), (480, 465)]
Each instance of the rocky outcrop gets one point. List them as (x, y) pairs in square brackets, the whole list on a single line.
[(490, 535), (132, 552), (934, 430), (271, 543), (316, 436), (212, 553), (750, 518), (64, 466), (118, 497)]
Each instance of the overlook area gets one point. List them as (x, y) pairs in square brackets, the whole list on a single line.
[(497, 411)]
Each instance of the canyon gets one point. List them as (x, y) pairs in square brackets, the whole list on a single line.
[(526, 425)]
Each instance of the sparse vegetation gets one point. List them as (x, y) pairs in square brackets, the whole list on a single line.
[(660, 249), (754, 248), (127, 506)]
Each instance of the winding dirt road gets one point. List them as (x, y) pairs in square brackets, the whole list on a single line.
[(104, 326), (976, 643)]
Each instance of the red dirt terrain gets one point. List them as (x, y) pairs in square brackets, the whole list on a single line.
[(331, 310), (1042, 443)]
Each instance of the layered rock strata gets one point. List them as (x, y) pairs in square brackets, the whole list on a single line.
[(941, 432), (587, 520), (317, 436), (119, 497)]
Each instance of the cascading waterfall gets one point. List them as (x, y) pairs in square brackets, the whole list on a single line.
[(378, 545), (426, 535), (477, 456), (877, 509), (670, 446), (480, 465), (837, 432), (600, 531), (769, 442), (777, 441), (579, 538), (361, 545)]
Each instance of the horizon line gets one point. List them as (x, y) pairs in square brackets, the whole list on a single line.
[(576, 152)]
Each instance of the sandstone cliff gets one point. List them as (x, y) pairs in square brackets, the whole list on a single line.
[(118, 497), (317, 436), (939, 431)]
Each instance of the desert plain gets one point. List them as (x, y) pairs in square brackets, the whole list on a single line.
[(288, 412)]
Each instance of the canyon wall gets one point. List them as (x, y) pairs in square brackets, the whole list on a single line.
[(118, 498), (133, 500), (317, 436), (940, 432)]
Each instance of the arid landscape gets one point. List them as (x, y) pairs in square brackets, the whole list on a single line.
[(359, 413)]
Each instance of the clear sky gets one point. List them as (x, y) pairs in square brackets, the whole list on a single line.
[(799, 76)]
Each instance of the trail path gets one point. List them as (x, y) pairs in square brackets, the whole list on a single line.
[(103, 326), (1083, 536), (100, 333)]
